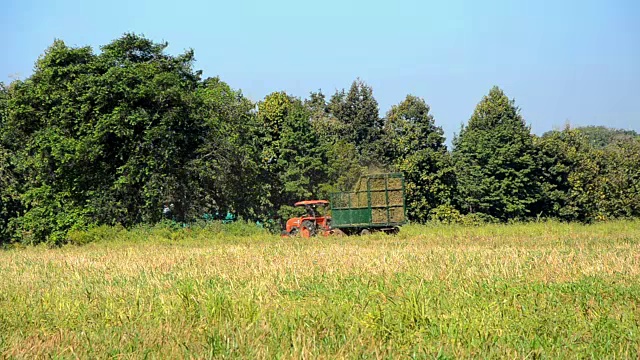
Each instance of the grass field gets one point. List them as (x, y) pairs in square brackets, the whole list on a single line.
[(544, 290)]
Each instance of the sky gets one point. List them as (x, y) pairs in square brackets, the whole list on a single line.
[(575, 62)]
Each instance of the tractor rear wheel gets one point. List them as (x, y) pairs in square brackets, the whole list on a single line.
[(310, 226)]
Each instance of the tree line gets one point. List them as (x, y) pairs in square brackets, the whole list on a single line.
[(107, 138)]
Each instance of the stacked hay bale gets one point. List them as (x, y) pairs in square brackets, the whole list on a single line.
[(379, 215), (396, 214), (386, 195), (359, 194), (381, 199)]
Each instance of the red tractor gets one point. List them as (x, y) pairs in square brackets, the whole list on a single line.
[(312, 223)]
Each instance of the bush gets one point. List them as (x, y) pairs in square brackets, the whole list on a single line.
[(445, 214), (95, 234)]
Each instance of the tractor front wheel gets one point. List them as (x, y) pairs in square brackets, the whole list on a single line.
[(294, 231)]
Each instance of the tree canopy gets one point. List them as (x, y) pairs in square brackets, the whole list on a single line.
[(495, 161), (112, 137)]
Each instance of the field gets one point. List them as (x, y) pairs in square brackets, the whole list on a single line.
[(544, 290)]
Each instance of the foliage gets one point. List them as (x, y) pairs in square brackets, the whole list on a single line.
[(357, 111), (227, 167), (495, 161), (584, 183), (619, 185), (343, 159), (293, 158), (569, 169), (109, 138), (9, 184), (602, 136), (445, 214), (415, 146)]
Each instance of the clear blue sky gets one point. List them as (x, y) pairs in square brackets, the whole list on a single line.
[(576, 61)]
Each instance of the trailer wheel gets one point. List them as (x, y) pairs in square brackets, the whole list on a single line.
[(391, 231), (364, 232)]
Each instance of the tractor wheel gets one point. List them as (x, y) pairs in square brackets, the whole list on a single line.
[(310, 226), (294, 231), (364, 232)]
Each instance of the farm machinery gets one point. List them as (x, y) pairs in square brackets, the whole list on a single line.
[(376, 204)]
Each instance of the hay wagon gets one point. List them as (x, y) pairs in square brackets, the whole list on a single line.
[(376, 204)]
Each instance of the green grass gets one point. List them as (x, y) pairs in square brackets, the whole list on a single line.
[(545, 290)]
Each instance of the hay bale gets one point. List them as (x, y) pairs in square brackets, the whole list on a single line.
[(379, 216), (359, 199), (377, 184), (378, 198), (396, 215), (394, 183), (361, 185), (396, 198)]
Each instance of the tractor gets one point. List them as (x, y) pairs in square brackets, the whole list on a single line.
[(312, 223)]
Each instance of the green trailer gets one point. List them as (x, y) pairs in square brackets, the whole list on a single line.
[(376, 204)]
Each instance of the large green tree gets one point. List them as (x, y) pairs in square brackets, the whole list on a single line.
[(585, 181), (226, 168), (293, 158), (619, 186), (9, 199), (360, 123), (414, 145), (495, 161), (343, 158), (102, 138), (568, 167)]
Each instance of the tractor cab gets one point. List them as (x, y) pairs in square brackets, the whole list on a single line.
[(313, 222)]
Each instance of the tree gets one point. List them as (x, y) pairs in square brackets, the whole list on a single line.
[(343, 160), (619, 186), (495, 161), (294, 161), (585, 182), (568, 169), (415, 146), (358, 112), (602, 136), (102, 138), (9, 200), (227, 165)]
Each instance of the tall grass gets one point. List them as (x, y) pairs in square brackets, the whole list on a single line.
[(525, 290)]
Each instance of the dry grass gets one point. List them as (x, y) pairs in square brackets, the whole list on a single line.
[(548, 290)]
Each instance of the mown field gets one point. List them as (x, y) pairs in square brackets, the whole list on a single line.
[(544, 290)]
